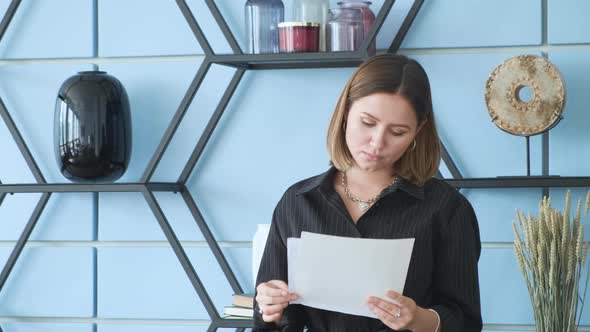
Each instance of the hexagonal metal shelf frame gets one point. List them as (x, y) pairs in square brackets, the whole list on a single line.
[(241, 62)]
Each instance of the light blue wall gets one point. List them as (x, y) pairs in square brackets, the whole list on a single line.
[(104, 265)]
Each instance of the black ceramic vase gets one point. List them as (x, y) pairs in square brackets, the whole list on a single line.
[(92, 127)]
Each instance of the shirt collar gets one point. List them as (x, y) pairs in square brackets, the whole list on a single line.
[(407, 187), (322, 180), (325, 179)]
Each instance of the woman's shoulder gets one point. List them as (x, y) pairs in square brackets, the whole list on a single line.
[(292, 195), (437, 188), (309, 184)]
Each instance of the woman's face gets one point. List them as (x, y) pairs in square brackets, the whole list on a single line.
[(379, 129)]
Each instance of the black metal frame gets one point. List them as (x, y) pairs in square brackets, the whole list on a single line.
[(242, 62)]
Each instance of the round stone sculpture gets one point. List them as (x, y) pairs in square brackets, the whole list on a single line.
[(512, 112)]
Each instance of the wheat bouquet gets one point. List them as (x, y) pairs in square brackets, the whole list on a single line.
[(551, 254)]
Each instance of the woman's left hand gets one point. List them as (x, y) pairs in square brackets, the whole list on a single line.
[(398, 314)]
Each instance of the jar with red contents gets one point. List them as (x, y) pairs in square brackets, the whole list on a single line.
[(299, 37)]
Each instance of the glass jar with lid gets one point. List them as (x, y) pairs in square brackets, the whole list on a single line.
[(262, 20), (313, 11), (367, 15), (344, 30), (299, 37)]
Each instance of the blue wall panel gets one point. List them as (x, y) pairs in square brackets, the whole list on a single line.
[(158, 27), (150, 283), (240, 259), (144, 283), (66, 217), (468, 23), (43, 29), (567, 155), (495, 210), (29, 93), (14, 213), (49, 282), (46, 327), (210, 28), (196, 118), (14, 168), (504, 297), (567, 22), (136, 27), (128, 217)]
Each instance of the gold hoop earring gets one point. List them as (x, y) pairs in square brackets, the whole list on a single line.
[(413, 146)]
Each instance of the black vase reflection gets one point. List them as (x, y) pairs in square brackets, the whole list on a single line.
[(92, 127)]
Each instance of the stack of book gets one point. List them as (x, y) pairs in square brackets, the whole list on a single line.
[(242, 307)]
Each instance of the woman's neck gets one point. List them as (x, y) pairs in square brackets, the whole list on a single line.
[(368, 180)]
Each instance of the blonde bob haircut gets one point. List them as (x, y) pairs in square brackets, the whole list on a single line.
[(396, 74)]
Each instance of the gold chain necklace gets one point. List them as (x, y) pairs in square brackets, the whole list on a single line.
[(363, 205)]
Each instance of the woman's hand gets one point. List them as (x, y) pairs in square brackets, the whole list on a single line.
[(398, 314), (272, 298)]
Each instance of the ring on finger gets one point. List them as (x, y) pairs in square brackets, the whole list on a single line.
[(261, 310)]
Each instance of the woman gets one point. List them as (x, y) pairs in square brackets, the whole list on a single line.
[(384, 151)]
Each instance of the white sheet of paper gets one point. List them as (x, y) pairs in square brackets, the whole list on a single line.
[(339, 273), (293, 244)]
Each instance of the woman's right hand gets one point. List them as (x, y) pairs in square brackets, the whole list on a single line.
[(272, 298)]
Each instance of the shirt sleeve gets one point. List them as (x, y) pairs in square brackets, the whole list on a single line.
[(456, 281), (273, 266)]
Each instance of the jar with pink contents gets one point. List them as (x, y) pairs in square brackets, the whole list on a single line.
[(367, 16)]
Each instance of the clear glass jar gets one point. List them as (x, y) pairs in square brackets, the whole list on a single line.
[(262, 20), (345, 30), (367, 15), (313, 11)]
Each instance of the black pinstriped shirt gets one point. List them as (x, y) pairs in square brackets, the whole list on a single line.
[(443, 271)]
